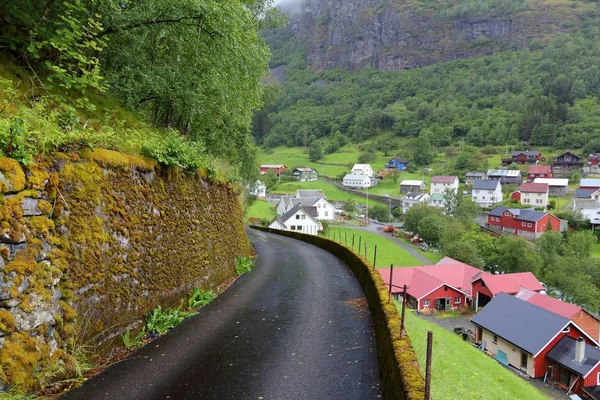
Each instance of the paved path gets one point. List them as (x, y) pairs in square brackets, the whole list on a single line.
[(374, 228), (293, 328)]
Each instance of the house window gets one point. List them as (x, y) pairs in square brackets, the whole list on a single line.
[(457, 300), (495, 339), (523, 223), (293, 227), (425, 303), (507, 214), (303, 216), (326, 213), (529, 224), (526, 200), (524, 360), (297, 216)]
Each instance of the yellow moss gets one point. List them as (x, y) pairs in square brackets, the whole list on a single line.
[(13, 173), (7, 321), (22, 267), (111, 158), (45, 207), (41, 225), (36, 177), (20, 357)]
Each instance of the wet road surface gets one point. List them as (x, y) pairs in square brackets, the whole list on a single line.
[(296, 327)]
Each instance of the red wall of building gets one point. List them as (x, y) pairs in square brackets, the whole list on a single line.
[(479, 288), (589, 187), (510, 222), (592, 378), (540, 362), (442, 293)]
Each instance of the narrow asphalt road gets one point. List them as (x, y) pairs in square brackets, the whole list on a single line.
[(296, 327), (378, 229)]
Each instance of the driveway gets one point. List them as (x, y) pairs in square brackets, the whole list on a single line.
[(296, 327)]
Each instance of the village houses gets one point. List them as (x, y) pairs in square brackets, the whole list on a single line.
[(487, 192), (440, 184), (532, 194), (298, 219)]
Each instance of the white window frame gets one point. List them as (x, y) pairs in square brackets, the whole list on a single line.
[(529, 224), (426, 303), (457, 300), (523, 223)]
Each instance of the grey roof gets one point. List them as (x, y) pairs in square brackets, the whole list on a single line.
[(590, 182), (486, 184), (584, 193), (357, 177), (507, 173), (312, 211), (310, 193), (520, 323), (519, 213), (527, 153), (413, 195), (306, 201), (474, 174), (564, 354), (586, 204)]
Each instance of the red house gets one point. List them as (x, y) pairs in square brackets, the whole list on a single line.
[(487, 286), (527, 223), (538, 342), (594, 159), (539, 171), (523, 157), (451, 284), (278, 169)]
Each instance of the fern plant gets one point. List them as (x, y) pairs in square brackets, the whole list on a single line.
[(243, 265), (131, 342), (199, 298), (159, 321)]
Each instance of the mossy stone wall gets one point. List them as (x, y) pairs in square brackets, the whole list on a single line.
[(90, 244)]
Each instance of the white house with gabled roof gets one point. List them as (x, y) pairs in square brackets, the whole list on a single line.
[(362, 169), (299, 219)]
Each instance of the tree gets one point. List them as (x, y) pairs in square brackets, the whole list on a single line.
[(315, 152), (514, 254), (452, 199), (422, 150), (379, 212), (416, 214), (349, 206), (550, 246), (466, 252), (395, 175), (579, 244), (431, 228)]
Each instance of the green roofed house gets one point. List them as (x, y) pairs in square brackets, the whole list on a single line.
[(437, 200), (305, 174)]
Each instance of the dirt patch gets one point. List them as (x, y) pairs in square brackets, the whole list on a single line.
[(360, 305)]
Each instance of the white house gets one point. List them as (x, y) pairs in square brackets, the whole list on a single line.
[(437, 200), (439, 184), (298, 219), (324, 210), (487, 192), (356, 181), (534, 194), (259, 189), (362, 169), (411, 199), (589, 208)]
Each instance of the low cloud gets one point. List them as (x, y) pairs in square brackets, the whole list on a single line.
[(289, 5)]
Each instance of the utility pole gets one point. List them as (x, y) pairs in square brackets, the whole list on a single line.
[(367, 205)]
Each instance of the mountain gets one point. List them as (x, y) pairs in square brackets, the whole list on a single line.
[(394, 35)]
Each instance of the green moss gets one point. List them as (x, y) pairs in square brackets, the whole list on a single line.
[(20, 357), (111, 158), (37, 177)]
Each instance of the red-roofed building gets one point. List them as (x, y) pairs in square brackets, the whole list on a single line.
[(486, 286), (451, 284), (534, 194), (539, 171), (277, 168), (589, 323)]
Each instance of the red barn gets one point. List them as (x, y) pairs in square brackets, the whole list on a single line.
[(278, 169), (487, 286), (528, 337), (539, 171), (527, 223), (594, 159)]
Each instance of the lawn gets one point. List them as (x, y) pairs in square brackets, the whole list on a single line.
[(388, 252), (596, 250), (459, 371), (331, 191), (260, 209)]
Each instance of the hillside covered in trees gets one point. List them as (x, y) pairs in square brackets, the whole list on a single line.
[(73, 72), (544, 94)]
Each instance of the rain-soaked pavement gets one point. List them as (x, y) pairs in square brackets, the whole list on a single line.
[(296, 327)]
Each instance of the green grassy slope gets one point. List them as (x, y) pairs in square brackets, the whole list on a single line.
[(459, 371)]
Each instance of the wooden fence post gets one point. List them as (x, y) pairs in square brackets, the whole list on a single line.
[(391, 277), (375, 257), (428, 366)]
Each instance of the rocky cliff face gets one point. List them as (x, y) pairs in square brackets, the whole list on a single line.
[(394, 35)]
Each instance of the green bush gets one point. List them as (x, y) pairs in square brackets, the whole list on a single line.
[(159, 321), (200, 298), (174, 150), (243, 265)]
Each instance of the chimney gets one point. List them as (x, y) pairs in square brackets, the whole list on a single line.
[(579, 350)]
